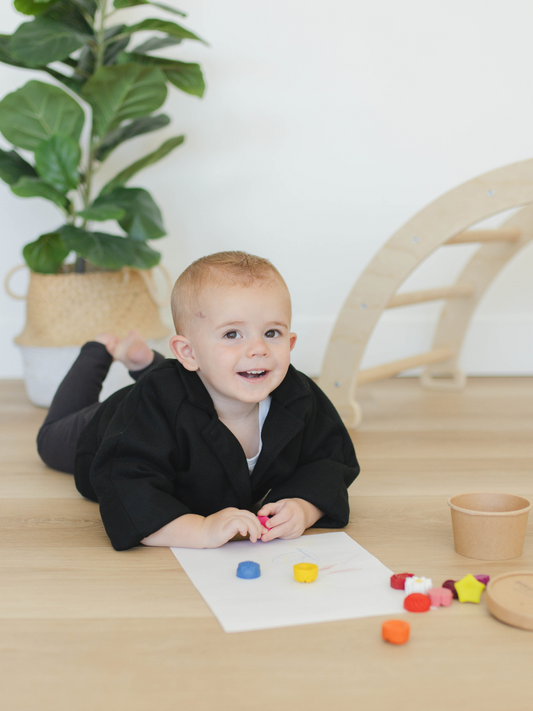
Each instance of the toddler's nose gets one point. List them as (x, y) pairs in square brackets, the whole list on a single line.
[(258, 347)]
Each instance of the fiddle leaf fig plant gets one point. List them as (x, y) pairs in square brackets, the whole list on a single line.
[(101, 92)]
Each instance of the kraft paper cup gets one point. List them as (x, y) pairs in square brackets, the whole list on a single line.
[(489, 526)]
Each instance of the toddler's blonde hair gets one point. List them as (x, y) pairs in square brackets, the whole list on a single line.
[(219, 269)]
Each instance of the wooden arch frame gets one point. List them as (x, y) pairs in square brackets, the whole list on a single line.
[(444, 221)]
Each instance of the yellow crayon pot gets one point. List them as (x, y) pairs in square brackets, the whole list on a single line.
[(305, 572)]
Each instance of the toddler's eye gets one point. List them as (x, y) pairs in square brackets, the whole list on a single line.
[(232, 335), (272, 333)]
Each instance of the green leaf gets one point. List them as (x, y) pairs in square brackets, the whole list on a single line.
[(119, 4), (36, 112), (71, 13), (32, 7), (109, 251), (125, 175), (168, 8), (132, 3), (113, 49), (57, 161), (85, 65), (114, 138), (186, 76), (169, 28), (73, 84), (102, 213), (86, 60), (7, 58), (43, 40), (5, 55), (123, 92), (88, 6), (35, 187), (13, 167), (70, 62), (157, 43), (46, 254), (142, 219)]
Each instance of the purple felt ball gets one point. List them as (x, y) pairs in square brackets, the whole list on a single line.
[(450, 584), (483, 579)]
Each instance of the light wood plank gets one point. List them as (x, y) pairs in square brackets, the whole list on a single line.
[(503, 234), (387, 370), (408, 298)]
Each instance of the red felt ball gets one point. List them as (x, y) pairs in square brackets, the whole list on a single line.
[(416, 602), (397, 581)]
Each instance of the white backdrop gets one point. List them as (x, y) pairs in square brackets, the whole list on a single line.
[(325, 126)]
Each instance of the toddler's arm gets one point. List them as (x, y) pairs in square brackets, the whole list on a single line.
[(290, 518), (194, 531)]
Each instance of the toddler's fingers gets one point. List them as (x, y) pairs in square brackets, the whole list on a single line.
[(252, 526), (294, 533), (283, 530), (269, 509), (280, 518), (253, 535), (240, 526)]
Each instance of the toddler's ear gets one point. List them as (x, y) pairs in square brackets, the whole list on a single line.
[(292, 340), (183, 351)]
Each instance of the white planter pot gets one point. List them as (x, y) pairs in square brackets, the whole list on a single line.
[(45, 368)]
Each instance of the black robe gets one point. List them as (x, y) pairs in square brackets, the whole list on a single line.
[(157, 450)]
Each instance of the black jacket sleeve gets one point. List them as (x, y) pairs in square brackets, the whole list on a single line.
[(327, 464), (134, 469)]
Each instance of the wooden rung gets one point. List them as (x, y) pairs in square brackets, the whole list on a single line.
[(387, 370), (419, 297), (504, 234)]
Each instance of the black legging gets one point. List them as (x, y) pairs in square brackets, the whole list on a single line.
[(74, 404)]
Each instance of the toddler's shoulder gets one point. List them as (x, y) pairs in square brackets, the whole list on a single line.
[(300, 387), (300, 384), (162, 383), (167, 372), (173, 385), (299, 391)]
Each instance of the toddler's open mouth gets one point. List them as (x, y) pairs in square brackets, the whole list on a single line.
[(253, 374)]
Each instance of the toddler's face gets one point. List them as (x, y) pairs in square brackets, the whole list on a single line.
[(239, 341)]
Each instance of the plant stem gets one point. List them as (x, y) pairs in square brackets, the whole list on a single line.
[(99, 53)]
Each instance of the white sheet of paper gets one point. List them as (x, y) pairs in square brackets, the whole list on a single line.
[(351, 582)]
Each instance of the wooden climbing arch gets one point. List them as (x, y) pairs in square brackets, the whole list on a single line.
[(447, 220)]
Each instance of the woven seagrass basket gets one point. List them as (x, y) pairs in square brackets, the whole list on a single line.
[(70, 309), (66, 310)]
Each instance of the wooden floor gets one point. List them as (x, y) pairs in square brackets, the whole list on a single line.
[(85, 628)]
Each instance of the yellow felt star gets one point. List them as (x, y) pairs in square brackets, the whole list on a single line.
[(469, 589)]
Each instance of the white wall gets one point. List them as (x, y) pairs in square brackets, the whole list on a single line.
[(324, 128)]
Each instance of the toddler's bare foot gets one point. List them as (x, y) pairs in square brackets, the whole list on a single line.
[(133, 351), (109, 340)]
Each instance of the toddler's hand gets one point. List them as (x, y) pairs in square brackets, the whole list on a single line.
[(290, 518), (221, 527)]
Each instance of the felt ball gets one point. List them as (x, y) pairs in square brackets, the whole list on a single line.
[(305, 572), (450, 584), (416, 602), (395, 631), (397, 580), (483, 579), (248, 570)]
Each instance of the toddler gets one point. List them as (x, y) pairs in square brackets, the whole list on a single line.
[(195, 448)]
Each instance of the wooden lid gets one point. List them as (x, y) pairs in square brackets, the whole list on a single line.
[(510, 598)]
